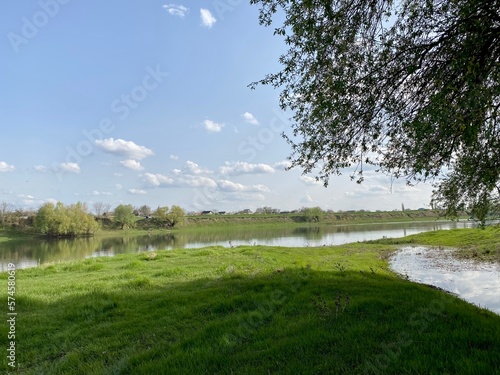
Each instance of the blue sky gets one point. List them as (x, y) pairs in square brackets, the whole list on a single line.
[(148, 103)]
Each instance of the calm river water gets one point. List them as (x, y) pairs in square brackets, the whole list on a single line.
[(29, 253)]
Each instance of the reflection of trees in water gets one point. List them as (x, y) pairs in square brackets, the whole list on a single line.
[(49, 250), (224, 236), (131, 244), (158, 242), (310, 233)]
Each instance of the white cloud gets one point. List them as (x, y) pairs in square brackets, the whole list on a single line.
[(124, 148), (4, 167), (311, 181), (250, 118), (230, 186), (40, 168), (212, 126), (368, 190), (132, 164), (408, 191), (176, 10), (98, 193), (137, 191), (193, 168), (69, 167), (306, 199), (118, 186), (30, 200), (249, 197), (377, 189), (158, 179), (207, 19), (195, 181), (51, 200), (173, 157), (282, 164), (26, 196), (239, 168)]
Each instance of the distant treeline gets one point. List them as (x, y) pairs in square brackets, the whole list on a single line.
[(57, 219)]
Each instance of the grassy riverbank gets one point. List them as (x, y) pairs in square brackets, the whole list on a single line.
[(244, 310), (8, 234), (328, 218)]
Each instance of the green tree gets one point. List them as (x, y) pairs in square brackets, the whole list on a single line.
[(45, 219), (81, 221), (176, 216), (169, 217), (411, 87), (59, 220), (124, 216), (312, 214)]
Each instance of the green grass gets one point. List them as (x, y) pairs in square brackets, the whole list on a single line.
[(333, 218), (473, 243), (245, 310), (7, 234)]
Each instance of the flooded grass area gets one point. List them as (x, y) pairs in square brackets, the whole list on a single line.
[(475, 281)]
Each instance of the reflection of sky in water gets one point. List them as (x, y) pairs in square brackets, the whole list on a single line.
[(475, 282), (356, 233), (22, 263)]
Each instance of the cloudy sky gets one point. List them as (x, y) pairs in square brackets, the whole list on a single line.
[(148, 103)]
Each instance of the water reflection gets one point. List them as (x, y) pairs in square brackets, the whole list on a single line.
[(475, 282), (28, 253)]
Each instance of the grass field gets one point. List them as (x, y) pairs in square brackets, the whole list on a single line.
[(245, 310)]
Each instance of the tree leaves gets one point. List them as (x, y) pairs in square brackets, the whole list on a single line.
[(412, 87), (60, 220)]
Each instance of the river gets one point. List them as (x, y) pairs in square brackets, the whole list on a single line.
[(30, 253)]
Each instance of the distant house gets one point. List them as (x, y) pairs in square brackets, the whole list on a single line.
[(207, 212), (221, 212), (246, 211)]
